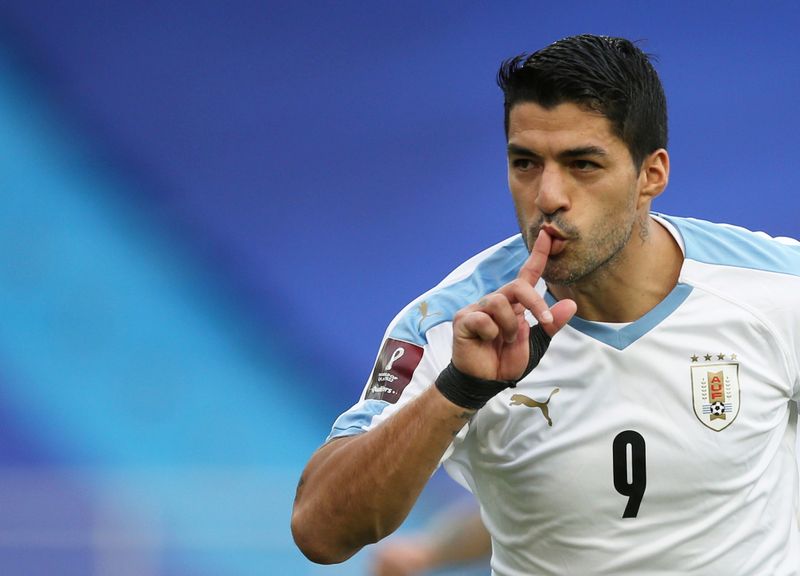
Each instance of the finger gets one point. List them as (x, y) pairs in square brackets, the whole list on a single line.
[(562, 312), (476, 324), (501, 310), (533, 267), (523, 292)]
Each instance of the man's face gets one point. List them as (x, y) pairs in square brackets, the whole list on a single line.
[(569, 174)]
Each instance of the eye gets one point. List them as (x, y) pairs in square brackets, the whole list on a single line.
[(585, 165), (522, 163)]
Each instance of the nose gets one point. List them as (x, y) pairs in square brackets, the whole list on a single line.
[(552, 195)]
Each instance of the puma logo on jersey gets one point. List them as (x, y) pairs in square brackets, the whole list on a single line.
[(423, 310), (519, 399)]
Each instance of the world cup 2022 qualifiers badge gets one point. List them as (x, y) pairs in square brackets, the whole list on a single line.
[(715, 389)]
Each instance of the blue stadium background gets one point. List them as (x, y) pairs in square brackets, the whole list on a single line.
[(210, 211)]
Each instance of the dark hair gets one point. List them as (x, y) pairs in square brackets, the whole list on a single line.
[(609, 75)]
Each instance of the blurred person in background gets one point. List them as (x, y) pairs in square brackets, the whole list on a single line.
[(455, 537)]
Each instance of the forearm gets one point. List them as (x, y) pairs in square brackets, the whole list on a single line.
[(357, 490)]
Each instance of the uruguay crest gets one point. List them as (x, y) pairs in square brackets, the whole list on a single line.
[(715, 390)]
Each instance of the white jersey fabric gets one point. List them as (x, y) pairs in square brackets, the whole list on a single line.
[(665, 446)]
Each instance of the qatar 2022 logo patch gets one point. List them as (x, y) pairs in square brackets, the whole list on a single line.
[(393, 370), (715, 389)]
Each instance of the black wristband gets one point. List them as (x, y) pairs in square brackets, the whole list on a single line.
[(467, 391), (473, 393), (539, 341)]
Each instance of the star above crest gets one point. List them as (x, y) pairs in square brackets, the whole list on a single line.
[(707, 357)]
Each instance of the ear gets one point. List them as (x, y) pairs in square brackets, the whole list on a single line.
[(653, 176)]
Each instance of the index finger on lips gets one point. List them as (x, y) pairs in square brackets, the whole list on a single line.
[(533, 267)]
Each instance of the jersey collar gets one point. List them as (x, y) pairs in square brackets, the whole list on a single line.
[(623, 337)]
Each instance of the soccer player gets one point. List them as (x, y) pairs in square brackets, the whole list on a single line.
[(617, 388)]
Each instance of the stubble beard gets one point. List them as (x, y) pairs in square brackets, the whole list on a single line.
[(585, 255)]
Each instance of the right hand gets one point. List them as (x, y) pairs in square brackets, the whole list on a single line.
[(490, 337)]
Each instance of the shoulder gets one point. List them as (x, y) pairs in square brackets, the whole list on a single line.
[(415, 347), (736, 247), (755, 273), (481, 274)]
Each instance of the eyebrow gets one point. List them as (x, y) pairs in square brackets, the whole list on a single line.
[(582, 151)]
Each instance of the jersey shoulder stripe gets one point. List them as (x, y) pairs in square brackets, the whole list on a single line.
[(727, 245), (357, 419), (480, 275)]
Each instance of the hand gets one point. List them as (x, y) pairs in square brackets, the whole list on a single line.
[(402, 557), (490, 337)]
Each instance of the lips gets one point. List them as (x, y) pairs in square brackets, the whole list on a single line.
[(557, 247), (558, 240)]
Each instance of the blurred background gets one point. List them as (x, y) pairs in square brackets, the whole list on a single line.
[(210, 212)]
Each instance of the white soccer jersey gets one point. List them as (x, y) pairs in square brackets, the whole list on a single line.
[(666, 446)]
